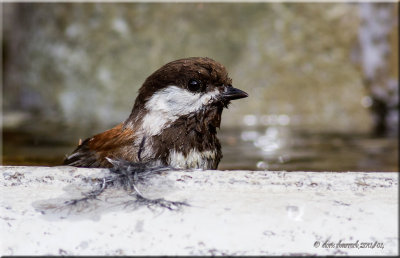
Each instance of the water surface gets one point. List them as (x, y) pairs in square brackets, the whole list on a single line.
[(261, 148)]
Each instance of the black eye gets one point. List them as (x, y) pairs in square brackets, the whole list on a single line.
[(194, 85)]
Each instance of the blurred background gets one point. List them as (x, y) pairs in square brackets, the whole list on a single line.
[(322, 78)]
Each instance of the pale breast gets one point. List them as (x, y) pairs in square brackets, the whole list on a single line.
[(194, 159)]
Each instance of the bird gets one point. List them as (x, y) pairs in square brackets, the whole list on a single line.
[(173, 121)]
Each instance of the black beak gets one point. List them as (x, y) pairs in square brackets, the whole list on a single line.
[(231, 93)]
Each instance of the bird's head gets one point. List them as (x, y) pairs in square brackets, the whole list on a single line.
[(186, 86)]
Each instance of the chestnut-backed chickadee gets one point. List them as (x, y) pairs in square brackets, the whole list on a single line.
[(173, 121)]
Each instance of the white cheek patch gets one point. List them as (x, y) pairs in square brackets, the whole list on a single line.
[(166, 105), (176, 101), (153, 123)]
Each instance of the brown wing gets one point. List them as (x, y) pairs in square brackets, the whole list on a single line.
[(116, 143)]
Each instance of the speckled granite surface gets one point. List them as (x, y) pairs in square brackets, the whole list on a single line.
[(230, 213)]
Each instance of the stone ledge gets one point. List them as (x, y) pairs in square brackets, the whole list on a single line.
[(230, 213)]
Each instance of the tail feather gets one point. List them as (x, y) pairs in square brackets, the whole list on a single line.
[(83, 156)]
